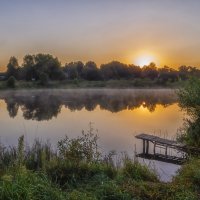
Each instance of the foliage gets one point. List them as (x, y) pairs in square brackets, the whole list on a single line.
[(189, 101), (28, 185), (150, 71), (70, 174), (20, 151), (91, 72), (43, 79), (34, 66), (11, 82), (12, 68), (116, 70), (41, 172), (190, 174), (74, 70), (81, 148), (136, 171)]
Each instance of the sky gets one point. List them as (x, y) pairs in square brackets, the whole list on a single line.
[(130, 31)]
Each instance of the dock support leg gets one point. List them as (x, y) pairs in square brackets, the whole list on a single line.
[(166, 151), (154, 148), (147, 149), (144, 144)]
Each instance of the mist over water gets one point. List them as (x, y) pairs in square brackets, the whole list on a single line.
[(114, 112), (45, 104)]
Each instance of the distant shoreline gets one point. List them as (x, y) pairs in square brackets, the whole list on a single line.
[(78, 84)]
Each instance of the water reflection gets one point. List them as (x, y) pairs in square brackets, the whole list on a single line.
[(45, 104), (117, 114)]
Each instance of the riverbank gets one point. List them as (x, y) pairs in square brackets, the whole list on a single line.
[(67, 84), (38, 172)]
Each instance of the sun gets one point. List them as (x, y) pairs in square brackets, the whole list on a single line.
[(144, 60)]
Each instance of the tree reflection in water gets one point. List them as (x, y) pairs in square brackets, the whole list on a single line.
[(45, 104)]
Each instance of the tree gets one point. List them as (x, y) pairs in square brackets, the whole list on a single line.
[(189, 101), (150, 71), (91, 72), (12, 67), (134, 71), (167, 74), (48, 64), (74, 70), (29, 67), (11, 82), (34, 65), (79, 67), (183, 72), (115, 70), (43, 79), (71, 71)]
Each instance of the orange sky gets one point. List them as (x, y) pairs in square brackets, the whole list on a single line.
[(102, 31)]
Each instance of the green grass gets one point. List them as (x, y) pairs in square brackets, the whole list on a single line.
[(91, 182), (42, 173), (27, 185)]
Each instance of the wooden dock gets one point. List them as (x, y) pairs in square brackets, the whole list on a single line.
[(163, 144), (157, 141), (160, 157)]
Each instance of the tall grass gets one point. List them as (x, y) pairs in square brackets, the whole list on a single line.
[(25, 185), (76, 169)]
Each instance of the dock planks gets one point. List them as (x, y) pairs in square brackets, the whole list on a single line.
[(161, 143)]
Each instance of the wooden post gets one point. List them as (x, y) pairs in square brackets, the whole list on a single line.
[(154, 148), (147, 149), (166, 151), (143, 146)]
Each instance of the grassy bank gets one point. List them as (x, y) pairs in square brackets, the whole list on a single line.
[(136, 83), (77, 170)]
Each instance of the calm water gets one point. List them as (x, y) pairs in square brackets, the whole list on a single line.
[(118, 115)]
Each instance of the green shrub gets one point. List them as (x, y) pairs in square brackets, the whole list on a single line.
[(59, 176), (27, 185), (83, 148), (11, 82), (79, 195), (136, 171), (111, 191), (190, 174), (69, 173), (43, 77), (189, 101)]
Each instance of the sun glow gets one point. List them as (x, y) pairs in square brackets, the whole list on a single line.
[(144, 60)]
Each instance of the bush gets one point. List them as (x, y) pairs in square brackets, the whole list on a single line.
[(43, 77), (189, 101), (134, 170), (190, 173), (57, 175), (27, 185), (111, 191), (77, 195), (11, 82), (83, 148), (69, 173)]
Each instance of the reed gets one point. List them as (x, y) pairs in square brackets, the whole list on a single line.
[(76, 169)]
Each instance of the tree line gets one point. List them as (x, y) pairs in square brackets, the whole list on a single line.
[(45, 67)]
